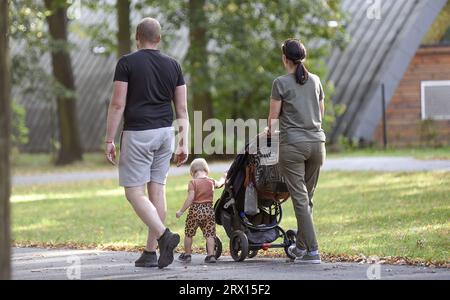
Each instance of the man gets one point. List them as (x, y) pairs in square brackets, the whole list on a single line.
[(146, 83)]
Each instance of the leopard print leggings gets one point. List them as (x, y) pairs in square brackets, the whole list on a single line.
[(201, 215)]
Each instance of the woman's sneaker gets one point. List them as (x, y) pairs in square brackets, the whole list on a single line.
[(147, 260), (210, 259), (309, 258), (296, 252), (185, 258), (167, 244)]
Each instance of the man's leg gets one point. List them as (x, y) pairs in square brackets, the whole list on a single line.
[(157, 195), (159, 171), (167, 241), (145, 209)]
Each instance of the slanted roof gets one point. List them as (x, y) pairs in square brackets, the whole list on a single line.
[(379, 53)]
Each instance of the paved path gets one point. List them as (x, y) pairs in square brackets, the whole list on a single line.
[(381, 164), (34, 263)]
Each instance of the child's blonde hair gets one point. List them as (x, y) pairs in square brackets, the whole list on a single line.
[(199, 164)]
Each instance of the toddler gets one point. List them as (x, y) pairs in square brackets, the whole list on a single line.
[(201, 213)]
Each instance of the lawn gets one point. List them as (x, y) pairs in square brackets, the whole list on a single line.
[(424, 153), (360, 213), (29, 164)]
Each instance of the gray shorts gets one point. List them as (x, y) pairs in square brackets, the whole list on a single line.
[(145, 156)]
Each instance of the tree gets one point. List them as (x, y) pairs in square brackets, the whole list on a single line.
[(5, 142), (247, 36), (197, 58), (70, 146), (234, 48), (124, 27)]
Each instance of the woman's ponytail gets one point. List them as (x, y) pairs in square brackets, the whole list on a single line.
[(301, 74), (295, 51)]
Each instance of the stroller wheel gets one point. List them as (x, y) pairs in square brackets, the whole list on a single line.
[(252, 253), (217, 247), (291, 236), (238, 245)]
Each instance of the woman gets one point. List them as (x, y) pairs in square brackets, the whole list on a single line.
[(297, 101)]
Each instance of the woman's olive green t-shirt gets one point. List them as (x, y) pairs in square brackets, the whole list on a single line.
[(300, 118)]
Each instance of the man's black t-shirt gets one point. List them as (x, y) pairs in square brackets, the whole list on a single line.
[(152, 79)]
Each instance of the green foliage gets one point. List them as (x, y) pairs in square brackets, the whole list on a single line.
[(440, 30), (244, 48), (19, 128), (345, 144), (248, 35), (28, 34), (429, 133), (32, 42), (244, 39), (100, 32)]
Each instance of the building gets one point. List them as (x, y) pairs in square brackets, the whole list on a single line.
[(387, 48)]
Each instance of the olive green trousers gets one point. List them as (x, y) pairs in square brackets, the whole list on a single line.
[(300, 166)]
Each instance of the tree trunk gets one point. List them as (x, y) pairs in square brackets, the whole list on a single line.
[(70, 146), (5, 142), (198, 58), (123, 23)]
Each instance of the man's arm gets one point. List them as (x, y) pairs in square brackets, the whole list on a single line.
[(115, 113), (180, 101)]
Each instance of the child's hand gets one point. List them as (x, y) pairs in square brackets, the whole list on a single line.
[(179, 214)]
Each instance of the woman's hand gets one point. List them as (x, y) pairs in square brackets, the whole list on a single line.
[(179, 214)]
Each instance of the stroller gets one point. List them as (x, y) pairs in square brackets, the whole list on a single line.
[(259, 230)]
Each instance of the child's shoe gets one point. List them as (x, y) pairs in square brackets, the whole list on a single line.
[(210, 259), (185, 258)]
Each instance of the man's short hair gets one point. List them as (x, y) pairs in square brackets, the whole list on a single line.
[(148, 30)]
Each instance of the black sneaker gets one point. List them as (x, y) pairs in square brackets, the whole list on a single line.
[(308, 259), (147, 260), (186, 258), (167, 244), (210, 259)]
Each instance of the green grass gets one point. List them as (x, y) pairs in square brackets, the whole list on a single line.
[(419, 153), (404, 215), (27, 164)]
